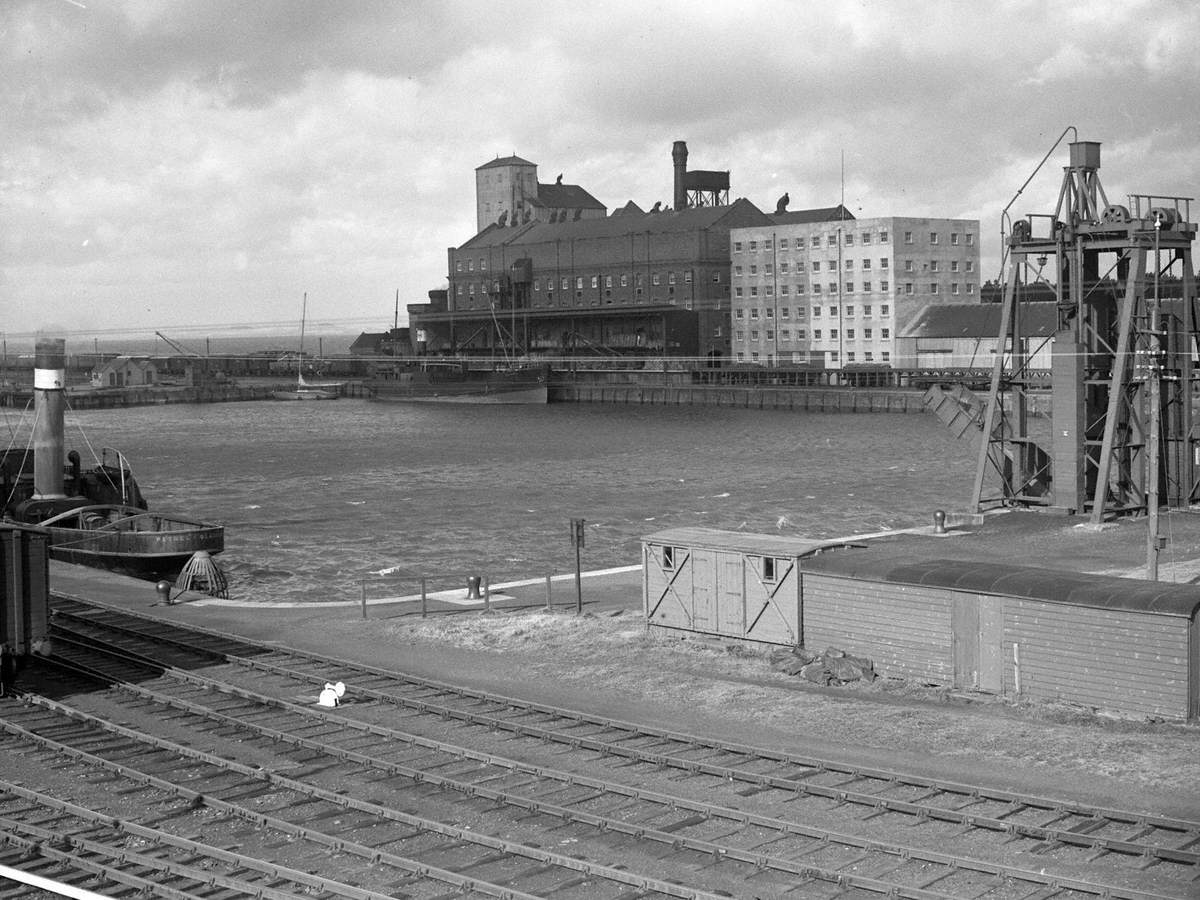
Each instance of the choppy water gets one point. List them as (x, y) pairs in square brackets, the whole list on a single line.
[(315, 496)]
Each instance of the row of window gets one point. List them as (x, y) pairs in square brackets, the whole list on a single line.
[(800, 356), (848, 240), (816, 240), (851, 287), (934, 265), (867, 287), (624, 279), (785, 334), (785, 312)]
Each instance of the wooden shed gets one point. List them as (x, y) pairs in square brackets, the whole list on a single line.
[(726, 583), (1118, 644)]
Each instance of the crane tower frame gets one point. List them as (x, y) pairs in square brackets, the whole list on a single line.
[(1122, 365)]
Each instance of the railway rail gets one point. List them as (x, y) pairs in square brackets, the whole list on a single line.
[(655, 806)]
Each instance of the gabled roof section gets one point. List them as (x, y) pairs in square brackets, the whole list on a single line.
[(739, 214), (809, 216), (629, 209), (505, 161), (368, 340), (979, 320), (565, 196)]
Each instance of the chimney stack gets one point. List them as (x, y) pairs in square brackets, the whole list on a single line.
[(679, 156)]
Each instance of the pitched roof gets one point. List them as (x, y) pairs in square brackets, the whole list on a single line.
[(505, 161), (979, 320), (808, 216), (368, 340), (738, 214), (569, 196)]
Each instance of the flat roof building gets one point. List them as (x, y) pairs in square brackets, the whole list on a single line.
[(821, 288)]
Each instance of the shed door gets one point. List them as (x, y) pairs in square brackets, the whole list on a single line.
[(704, 590), (732, 595), (991, 644)]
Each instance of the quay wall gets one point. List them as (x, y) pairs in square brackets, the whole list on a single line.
[(839, 399)]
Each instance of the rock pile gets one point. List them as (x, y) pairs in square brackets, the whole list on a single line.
[(831, 667)]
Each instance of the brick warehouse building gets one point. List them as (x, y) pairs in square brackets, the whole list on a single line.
[(579, 282)]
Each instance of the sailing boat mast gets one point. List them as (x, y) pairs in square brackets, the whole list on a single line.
[(300, 359)]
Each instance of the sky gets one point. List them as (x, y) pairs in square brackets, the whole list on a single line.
[(198, 166)]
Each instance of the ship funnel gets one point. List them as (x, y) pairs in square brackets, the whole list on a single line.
[(49, 401)]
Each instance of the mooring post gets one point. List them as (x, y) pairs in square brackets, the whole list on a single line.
[(424, 601)]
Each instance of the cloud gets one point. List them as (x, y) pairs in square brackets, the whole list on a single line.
[(209, 161)]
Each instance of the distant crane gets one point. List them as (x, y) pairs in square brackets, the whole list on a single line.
[(204, 374), (179, 347)]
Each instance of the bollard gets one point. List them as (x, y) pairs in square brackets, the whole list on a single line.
[(473, 587), (424, 599), (939, 522), (164, 591)]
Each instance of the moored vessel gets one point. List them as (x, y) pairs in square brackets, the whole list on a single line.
[(455, 381), (97, 516)]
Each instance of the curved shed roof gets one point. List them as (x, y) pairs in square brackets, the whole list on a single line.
[(1026, 582)]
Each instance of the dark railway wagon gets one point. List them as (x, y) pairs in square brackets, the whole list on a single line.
[(1117, 644), (25, 597)]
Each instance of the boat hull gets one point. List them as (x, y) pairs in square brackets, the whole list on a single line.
[(399, 394), (455, 383), (305, 394), (132, 541)]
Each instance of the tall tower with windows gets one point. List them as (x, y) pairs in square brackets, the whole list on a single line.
[(504, 187)]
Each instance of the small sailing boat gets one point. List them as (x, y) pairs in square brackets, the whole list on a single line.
[(303, 389)]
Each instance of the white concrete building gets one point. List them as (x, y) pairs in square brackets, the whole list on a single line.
[(821, 288)]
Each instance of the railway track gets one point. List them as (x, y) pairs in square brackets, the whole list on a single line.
[(683, 816)]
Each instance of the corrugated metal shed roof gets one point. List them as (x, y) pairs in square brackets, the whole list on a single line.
[(568, 196), (979, 320), (1027, 582), (740, 542), (505, 161), (737, 214)]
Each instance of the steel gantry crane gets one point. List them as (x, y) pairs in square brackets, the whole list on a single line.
[(1122, 363)]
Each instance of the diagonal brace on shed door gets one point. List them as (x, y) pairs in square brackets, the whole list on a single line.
[(769, 602), (669, 589)]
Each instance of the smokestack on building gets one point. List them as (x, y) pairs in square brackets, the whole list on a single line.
[(679, 156), (49, 398)]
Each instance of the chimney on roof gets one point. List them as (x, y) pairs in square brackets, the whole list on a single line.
[(679, 157)]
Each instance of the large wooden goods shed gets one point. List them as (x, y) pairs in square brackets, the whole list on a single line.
[(1119, 644)]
